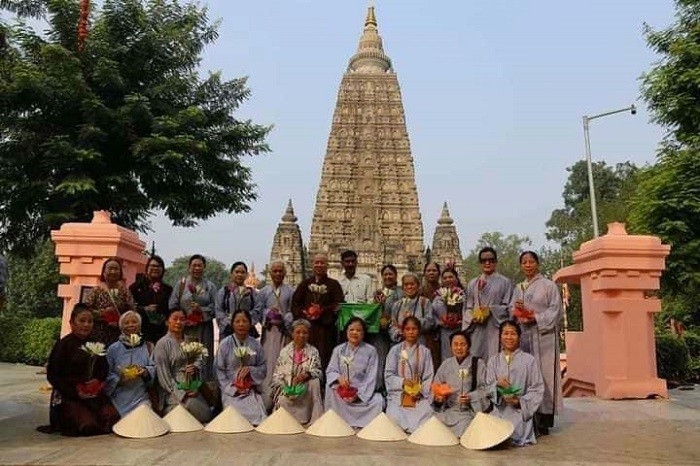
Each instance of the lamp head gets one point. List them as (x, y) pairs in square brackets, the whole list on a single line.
[(633, 109)]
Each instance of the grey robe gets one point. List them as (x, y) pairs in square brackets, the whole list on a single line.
[(381, 340), (496, 295), (181, 298), (363, 376), (419, 307), (449, 411), (409, 419), (250, 405), (239, 297), (126, 396), (308, 407), (541, 339), (439, 311), (170, 369), (524, 372)]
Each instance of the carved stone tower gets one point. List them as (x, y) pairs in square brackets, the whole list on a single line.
[(367, 199), (288, 247), (445, 240)]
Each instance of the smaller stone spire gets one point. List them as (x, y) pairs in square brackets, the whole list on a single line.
[(371, 19), (445, 218), (252, 279), (289, 216)]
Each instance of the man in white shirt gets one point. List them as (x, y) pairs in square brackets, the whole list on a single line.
[(356, 288)]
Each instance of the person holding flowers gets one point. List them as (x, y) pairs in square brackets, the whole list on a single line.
[(109, 301), (519, 384), (151, 296), (273, 304), (232, 297), (447, 309), (412, 304), (459, 387), (195, 296), (296, 382), (537, 307), (431, 284), (241, 368), (317, 299), (178, 363), (408, 375), (486, 305), (351, 378), (387, 297), (131, 368), (77, 370)]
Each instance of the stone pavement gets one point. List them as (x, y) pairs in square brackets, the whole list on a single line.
[(592, 431)]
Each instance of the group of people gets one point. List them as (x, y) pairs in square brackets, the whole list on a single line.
[(495, 347)]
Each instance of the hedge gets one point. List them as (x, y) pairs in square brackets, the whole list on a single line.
[(672, 357), (28, 341)]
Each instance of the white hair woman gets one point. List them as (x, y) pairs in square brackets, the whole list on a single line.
[(296, 381), (131, 368)]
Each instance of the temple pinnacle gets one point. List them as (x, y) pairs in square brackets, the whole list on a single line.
[(370, 56), (445, 218), (371, 19), (289, 216)]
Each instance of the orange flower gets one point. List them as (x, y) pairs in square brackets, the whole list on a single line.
[(441, 389)]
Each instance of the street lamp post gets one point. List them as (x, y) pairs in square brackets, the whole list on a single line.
[(587, 140)]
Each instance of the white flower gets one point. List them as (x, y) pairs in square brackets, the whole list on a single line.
[(134, 340), (347, 360), (243, 351), (444, 293), (463, 374), (322, 289), (94, 348), (454, 299), (404, 355), (193, 349)]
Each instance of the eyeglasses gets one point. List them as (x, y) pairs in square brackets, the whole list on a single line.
[(488, 260)]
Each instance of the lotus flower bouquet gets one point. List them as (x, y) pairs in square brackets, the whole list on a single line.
[(520, 311), (96, 350), (463, 375), (347, 392), (313, 312), (454, 300), (511, 390), (243, 353), (295, 390), (131, 372), (193, 350), (411, 385)]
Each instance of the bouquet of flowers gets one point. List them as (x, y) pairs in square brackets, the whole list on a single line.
[(95, 350), (314, 310), (512, 389), (192, 350), (347, 393), (292, 390), (243, 353), (411, 386), (519, 311), (131, 372), (441, 389), (463, 375), (454, 300)]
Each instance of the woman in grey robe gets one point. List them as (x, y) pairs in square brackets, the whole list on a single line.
[(195, 296), (519, 384), (234, 296), (273, 304), (446, 315), (299, 364), (129, 391), (241, 369), (412, 304), (466, 376), (409, 363), (172, 368), (353, 368), (492, 291), (540, 333)]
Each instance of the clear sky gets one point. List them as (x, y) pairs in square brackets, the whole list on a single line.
[(494, 92)]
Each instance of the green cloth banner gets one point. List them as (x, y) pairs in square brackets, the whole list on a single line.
[(369, 312)]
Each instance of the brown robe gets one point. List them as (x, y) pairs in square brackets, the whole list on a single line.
[(323, 334)]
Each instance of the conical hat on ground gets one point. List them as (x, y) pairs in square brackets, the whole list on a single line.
[(181, 420), (330, 425), (382, 429), (486, 431), (141, 422), (433, 433), (280, 423), (229, 421)]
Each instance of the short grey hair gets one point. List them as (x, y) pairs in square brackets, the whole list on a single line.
[(123, 317), (412, 275), (299, 322)]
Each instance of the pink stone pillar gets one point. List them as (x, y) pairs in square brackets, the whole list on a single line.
[(82, 248), (615, 355)]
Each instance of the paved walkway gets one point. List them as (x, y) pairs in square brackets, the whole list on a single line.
[(592, 431)]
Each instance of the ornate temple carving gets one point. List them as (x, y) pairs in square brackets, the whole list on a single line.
[(288, 247), (445, 240)]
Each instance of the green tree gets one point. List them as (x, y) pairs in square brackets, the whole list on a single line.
[(215, 271), (615, 186), (127, 125), (33, 283)]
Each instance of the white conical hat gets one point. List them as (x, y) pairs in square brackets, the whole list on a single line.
[(229, 421), (486, 431), (280, 423), (330, 425), (382, 429), (434, 433), (141, 422), (181, 420)]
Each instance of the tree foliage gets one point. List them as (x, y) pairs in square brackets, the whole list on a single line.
[(215, 271), (126, 125)]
